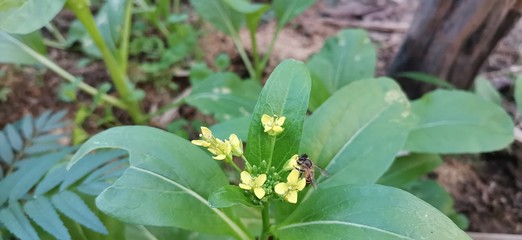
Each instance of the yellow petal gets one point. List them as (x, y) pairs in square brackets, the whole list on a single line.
[(219, 157), (246, 178), (266, 120), (260, 180), (293, 177), (291, 163), (291, 197), (206, 132), (281, 188), (213, 150), (244, 186), (234, 140), (200, 143), (259, 192), (280, 121), (267, 128), (277, 129), (301, 184)]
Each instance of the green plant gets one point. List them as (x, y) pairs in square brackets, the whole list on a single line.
[(229, 15), (34, 183), (355, 135), (115, 58)]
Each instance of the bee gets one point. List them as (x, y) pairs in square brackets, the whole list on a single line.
[(306, 167)]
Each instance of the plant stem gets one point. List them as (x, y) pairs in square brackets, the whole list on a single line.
[(64, 74), (265, 215), (235, 166), (56, 33), (124, 87), (272, 144), (253, 41), (125, 37), (266, 57)]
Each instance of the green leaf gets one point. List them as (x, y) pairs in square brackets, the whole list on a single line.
[(43, 213), (72, 206), (222, 61), (518, 94), (198, 73), (286, 10), (485, 90), (14, 137), (225, 96), (366, 212), (228, 196), (27, 15), (13, 53), (239, 126), (427, 78), (286, 93), (356, 134), (344, 58), (16, 222), (42, 119), (6, 154), (431, 192), (167, 183), (55, 121), (409, 168), (33, 171), (219, 14), (54, 177), (27, 126), (458, 122), (252, 11)]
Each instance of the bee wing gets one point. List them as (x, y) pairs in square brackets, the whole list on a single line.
[(314, 183), (322, 171)]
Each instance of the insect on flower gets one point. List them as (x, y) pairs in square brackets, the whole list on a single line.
[(306, 167)]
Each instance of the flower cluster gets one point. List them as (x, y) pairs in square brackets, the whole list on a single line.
[(253, 183), (290, 188), (222, 150)]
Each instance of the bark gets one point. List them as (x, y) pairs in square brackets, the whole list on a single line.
[(451, 39)]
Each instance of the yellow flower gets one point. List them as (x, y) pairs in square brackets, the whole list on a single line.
[(291, 164), (273, 124), (221, 150), (249, 183), (207, 138), (237, 145), (293, 185)]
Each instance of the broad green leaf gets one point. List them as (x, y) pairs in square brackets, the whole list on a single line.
[(27, 16), (16, 222), (356, 134), (345, 58), (253, 11), (43, 213), (427, 78), (487, 91), (167, 183), (228, 196), (72, 206), (219, 14), (286, 10), (518, 94), (458, 122), (139, 232), (6, 154), (431, 192), (13, 53), (285, 94), (366, 212), (409, 168), (198, 73), (238, 126), (14, 137), (27, 126), (225, 96)]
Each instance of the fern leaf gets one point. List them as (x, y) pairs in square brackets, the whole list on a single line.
[(52, 179), (42, 212), (72, 206), (27, 126), (6, 154), (14, 137), (42, 119), (16, 222)]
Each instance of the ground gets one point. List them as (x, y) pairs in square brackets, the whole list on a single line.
[(487, 188)]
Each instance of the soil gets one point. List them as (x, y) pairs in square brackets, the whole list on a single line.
[(487, 188)]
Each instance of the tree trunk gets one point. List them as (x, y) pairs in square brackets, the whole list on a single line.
[(451, 39)]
